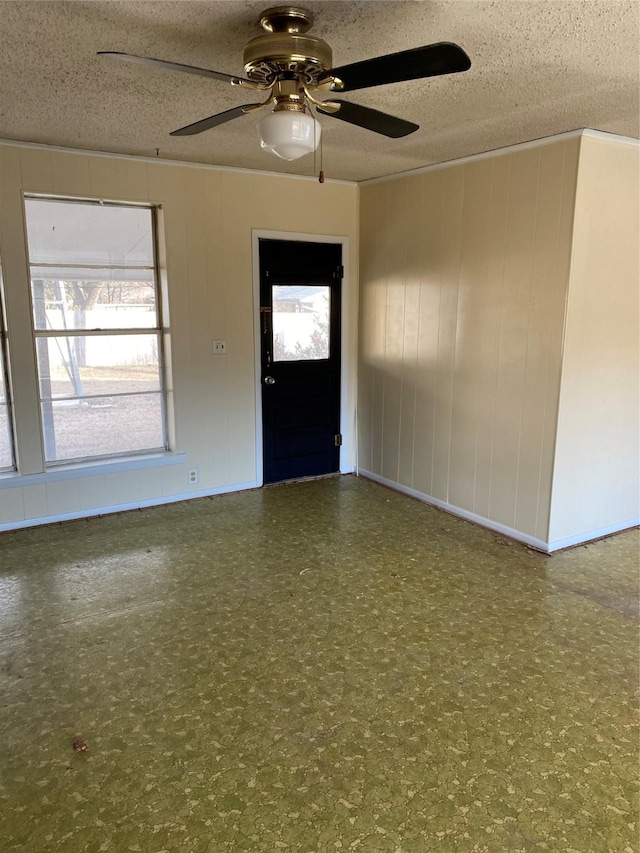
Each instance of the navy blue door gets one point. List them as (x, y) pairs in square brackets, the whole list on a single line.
[(300, 290)]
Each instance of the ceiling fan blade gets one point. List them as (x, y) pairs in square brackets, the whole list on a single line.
[(428, 61), (214, 121), (372, 119), (176, 66)]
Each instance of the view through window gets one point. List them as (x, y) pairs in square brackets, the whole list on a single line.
[(300, 322), (97, 328), (6, 438)]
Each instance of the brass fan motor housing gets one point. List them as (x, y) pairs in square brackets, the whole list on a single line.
[(285, 47)]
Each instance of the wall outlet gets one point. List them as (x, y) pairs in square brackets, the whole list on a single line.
[(219, 347), (193, 475)]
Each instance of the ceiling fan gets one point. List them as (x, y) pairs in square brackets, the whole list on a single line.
[(294, 70)]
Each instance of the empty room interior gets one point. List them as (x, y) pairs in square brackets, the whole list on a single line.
[(319, 419)]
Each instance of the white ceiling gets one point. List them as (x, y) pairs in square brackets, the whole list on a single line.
[(539, 67)]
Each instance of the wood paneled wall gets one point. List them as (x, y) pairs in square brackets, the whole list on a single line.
[(464, 275)]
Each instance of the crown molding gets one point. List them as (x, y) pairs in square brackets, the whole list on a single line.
[(611, 137), (509, 149), (494, 152), (188, 164)]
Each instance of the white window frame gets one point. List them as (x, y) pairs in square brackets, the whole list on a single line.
[(4, 369), (158, 330)]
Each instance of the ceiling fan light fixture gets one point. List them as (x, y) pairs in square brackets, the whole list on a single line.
[(296, 69), (289, 134)]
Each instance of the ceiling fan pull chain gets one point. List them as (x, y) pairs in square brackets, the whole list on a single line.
[(321, 175), (315, 143)]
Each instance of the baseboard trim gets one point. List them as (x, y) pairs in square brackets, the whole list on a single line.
[(531, 541), (126, 507), (601, 533)]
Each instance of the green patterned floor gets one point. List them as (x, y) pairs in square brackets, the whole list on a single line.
[(327, 666)]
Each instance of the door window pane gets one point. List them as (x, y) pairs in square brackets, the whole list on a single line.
[(300, 322)]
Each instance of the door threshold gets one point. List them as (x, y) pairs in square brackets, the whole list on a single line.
[(303, 479)]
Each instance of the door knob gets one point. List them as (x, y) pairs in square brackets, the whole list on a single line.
[(269, 380)]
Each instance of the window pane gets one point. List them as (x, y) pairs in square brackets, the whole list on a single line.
[(110, 301), (6, 449), (89, 365), (64, 232), (3, 390), (75, 429), (300, 322), (6, 455)]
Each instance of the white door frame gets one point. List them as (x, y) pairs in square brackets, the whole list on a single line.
[(347, 352)]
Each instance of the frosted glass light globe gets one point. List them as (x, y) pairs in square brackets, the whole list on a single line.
[(289, 134)]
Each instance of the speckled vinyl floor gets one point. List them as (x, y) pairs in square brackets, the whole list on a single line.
[(326, 666)]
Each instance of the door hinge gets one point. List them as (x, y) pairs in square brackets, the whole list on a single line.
[(337, 439)]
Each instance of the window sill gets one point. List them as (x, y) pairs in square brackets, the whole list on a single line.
[(73, 471)]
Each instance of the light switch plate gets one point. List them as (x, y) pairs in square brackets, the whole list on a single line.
[(219, 347)]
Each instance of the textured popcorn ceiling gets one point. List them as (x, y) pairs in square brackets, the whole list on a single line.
[(539, 67)]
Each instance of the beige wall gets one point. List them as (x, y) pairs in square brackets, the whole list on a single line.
[(595, 486), (467, 371), (207, 221), (464, 275)]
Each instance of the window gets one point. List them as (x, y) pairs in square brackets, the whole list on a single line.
[(301, 314), (97, 328), (6, 436)]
